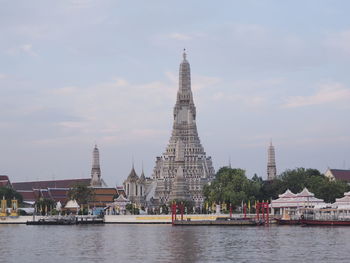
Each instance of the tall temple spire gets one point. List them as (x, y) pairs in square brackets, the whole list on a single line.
[(184, 160), (184, 75), (96, 169), (271, 163)]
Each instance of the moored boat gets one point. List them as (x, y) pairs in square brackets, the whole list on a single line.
[(315, 222), (53, 221), (281, 221), (220, 222)]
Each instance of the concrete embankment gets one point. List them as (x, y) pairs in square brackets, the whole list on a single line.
[(152, 219), (127, 219), (15, 220)]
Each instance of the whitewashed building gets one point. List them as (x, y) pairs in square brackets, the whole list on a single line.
[(290, 202)]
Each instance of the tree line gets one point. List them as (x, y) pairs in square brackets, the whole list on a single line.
[(233, 186)]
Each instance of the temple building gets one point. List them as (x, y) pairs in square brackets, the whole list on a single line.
[(183, 169), (271, 163), (338, 174), (135, 188), (57, 190)]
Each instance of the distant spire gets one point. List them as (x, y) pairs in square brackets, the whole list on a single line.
[(271, 163), (142, 176), (229, 161), (96, 158), (96, 169), (184, 54)]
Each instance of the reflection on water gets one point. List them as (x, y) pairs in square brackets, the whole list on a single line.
[(163, 243)]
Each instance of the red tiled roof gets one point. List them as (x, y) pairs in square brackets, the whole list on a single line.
[(49, 184), (4, 177), (341, 175), (28, 195), (59, 195)]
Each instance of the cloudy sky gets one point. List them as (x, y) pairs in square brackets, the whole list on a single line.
[(74, 73)]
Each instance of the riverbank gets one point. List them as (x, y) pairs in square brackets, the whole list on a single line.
[(125, 219), (132, 219)]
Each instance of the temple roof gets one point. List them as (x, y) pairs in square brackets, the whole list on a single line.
[(133, 177), (341, 175), (142, 177), (288, 199), (305, 193), (49, 184), (287, 194)]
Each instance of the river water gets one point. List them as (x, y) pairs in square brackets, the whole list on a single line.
[(164, 243)]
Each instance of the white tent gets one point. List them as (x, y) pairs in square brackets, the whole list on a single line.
[(72, 204)]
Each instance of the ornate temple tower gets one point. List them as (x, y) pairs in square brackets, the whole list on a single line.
[(184, 165), (135, 188), (96, 170), (271, 163)]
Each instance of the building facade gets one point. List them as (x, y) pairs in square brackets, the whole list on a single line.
[(184, 168), (338, 174), (135, 188)]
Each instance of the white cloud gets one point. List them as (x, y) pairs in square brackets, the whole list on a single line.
[(250, 29), (110, 111), (26, 49), (148, 133), (202, 82), (245, 99), (179, 36), (339, 41), (251, 93), (327, 93), (65, 90)]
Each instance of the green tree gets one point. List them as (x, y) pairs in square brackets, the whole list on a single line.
[(83, 194), (330, 190), (271, 189), (296, 179), (231, 186), (132, 209)]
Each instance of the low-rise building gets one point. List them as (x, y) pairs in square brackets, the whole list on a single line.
[(56, 190), (338, 174), (289, 202)]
